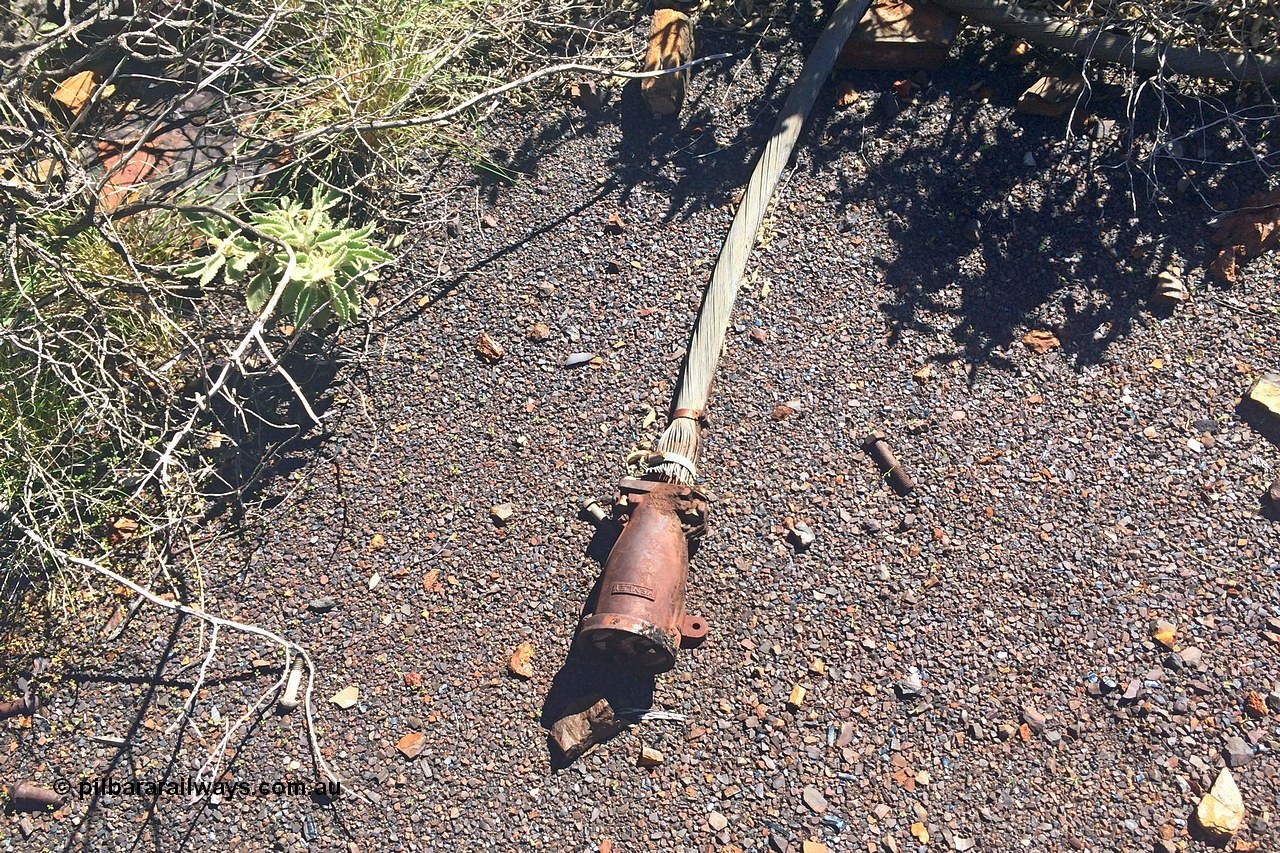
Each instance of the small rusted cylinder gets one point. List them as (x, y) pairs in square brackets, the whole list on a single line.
[(639, 616), (878, 449), (30, 797)]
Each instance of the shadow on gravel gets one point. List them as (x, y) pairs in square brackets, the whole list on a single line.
[(1258, 417), (584, 679), (1003, 223), (268, 434), (123, 763), (164, 781), (581, 681), (682, 158)]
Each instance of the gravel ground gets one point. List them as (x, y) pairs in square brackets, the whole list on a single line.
[(1067, 501)]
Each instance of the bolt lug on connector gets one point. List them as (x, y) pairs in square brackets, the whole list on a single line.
[(877, 447), (289, 699), (592, 507)]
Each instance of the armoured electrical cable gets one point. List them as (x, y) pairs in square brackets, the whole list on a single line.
[(680, 440), (636, 615), (1108, 45)]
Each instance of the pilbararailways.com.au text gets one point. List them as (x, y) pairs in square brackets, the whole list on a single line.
[(228, 789)]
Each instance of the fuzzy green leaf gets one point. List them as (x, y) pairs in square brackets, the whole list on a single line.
[(261, 286)]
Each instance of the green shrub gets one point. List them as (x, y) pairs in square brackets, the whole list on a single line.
[(329, 258)]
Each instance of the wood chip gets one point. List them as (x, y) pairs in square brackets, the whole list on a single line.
[(1052, 96), (1249, 232), (1041, 341), (846, 95), (670, 46), (74, 92), (574, 734), (585, 94)]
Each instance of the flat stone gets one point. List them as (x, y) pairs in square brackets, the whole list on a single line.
[(650, 757), (346, 697), (1221, 811), (412, 744), (717, 821), (1265, 392), (1237, 752), (1033, 718), (802, 536), (1261, 406), (813, 799), (911, 686)]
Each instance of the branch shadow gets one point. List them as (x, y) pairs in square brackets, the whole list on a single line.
[(1015, 222), (267, 433)]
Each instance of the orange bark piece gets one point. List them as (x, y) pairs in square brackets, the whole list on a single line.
[(670, 46), (1041, 341), (74, 92), (1249, 232)]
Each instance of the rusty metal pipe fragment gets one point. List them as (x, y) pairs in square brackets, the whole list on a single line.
[(28, 704), (877, 447), (639, 616), (30, 797)]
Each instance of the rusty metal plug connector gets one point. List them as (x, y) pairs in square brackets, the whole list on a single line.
[(638, 617)]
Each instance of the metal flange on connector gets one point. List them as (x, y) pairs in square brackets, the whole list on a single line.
[(639, 617)]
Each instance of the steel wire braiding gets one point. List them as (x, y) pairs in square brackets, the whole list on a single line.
[(677, 457)]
